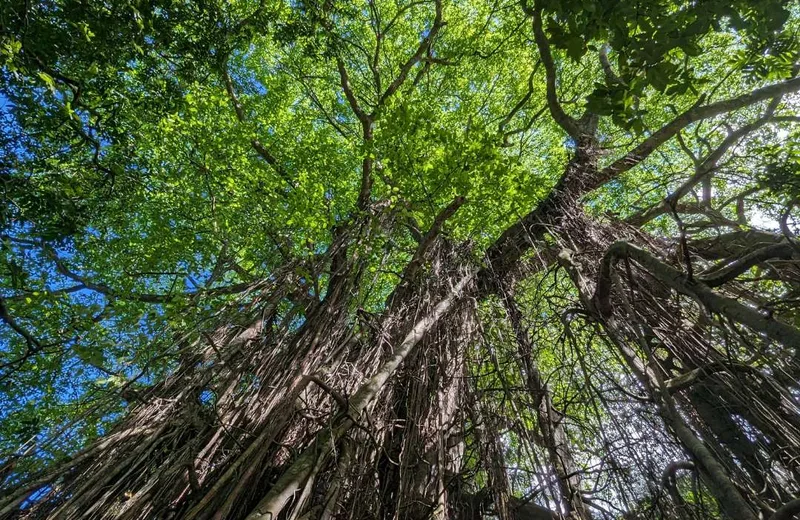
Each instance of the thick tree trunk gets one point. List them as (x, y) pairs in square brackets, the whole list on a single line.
[(306, 409)]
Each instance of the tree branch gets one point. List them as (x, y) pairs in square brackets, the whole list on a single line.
[(260, 149), (423, 47), (773, 329), (355, 106), (608, 71), (668, 480), (566, 122), (521, 103), (730, 270), (709, 164), (425, 243), (694, 114), (105, 290), (643, 217), (339, 398), (687, 379), (5, 317)]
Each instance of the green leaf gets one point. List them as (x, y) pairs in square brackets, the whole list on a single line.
[(48, 80)]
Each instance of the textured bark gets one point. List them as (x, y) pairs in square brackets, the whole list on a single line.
[(716, 476), (676, 280)]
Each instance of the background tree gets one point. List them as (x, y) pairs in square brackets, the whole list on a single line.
[(400, 260)]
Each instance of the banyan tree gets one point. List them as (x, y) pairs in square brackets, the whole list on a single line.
[(400, 259)]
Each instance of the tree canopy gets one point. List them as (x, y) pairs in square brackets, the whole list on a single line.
[(400, 258)]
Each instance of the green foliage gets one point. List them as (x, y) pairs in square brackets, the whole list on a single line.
[(661, 44), (132, 188)]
